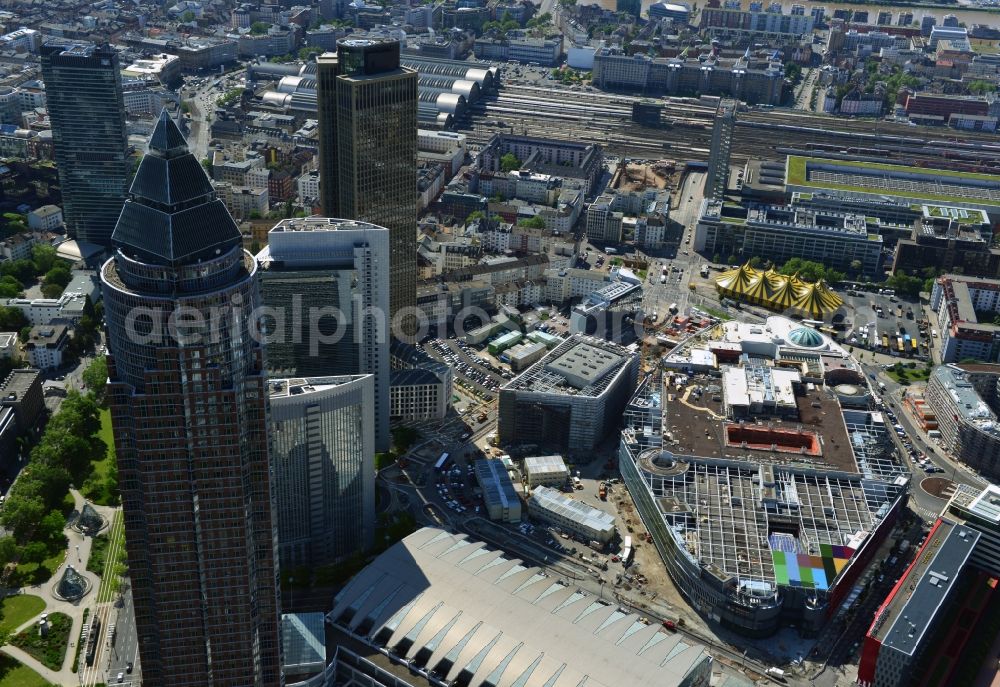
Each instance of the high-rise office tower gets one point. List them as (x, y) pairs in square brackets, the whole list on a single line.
[(323, 452), (718, 155), (367, 151), (188, 396), (325, 283), (83, 92)]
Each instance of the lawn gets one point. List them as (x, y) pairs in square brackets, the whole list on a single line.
[(49, 650), (95, 488), (33, 573), (13, 674), (18, 609), (905, 374)]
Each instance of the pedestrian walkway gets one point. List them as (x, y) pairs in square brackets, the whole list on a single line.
[(78, 550)]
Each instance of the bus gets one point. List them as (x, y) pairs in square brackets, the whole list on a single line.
[(914, 346), (441, 462), (885, 341), (899, 344)]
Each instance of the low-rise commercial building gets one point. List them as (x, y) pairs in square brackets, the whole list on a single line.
[(584, 522), (499, 495), (545, 471), (521, 356), (8, 345)]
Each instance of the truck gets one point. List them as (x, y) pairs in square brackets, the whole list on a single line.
[(576, 483), (704, 270), (603, 493), (663, 279), (775, 672), (481, 417)]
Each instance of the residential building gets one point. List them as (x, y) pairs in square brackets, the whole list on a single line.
[(724, 21), (308, 187), (585, 523), (511, 622), (332, 277), (45, 346), (570, 398), (8, 345), (566, 159), (84, 99), (964, 400), (368, 140), (21, 391), (547, 471), (499, 496), (189, 411), (603, 224), (21, 40), (717, 179), (323, 453), (748, 78), (958, 301), (418, 394), (243, 202), (45, 218)]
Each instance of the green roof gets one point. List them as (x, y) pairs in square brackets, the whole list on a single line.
[(796, 175)]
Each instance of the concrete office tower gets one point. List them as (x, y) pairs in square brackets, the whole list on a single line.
[(83, 90), (188, 397), (327, 283), (718, 156), (324, 467), (367, 109)]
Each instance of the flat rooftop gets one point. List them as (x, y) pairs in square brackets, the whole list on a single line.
[(924, 588), (296, 386), (584, 364), (698, 427), (965, 400), (934, 185), (580, 365)]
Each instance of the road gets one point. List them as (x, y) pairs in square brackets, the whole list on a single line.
[(126, 647)]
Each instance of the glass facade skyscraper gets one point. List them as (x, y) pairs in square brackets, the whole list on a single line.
[(188, 398), (83, 92), (325, 283), (367, 110), (323, 450)]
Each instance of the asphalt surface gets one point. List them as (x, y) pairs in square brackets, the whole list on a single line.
[(125, 649)]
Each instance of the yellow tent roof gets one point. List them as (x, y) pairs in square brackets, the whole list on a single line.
[(786, 292), (817, 299), (737, 280)]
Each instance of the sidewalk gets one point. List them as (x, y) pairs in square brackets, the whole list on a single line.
[(78, 558)]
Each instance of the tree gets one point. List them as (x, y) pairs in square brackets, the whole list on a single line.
[(12, 319), (187, 17), (979, 87), (96, 376), (44, 257), (50, 529), (21, 513), (534, 222), (8, 551), (509, 162), (59, 274), (10, 287), (259, 28), (52, 290), (856, 266), (207, 164), (308, 52)]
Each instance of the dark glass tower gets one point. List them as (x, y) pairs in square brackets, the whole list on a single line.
[(367, 148), (83, 91), (189, 408)]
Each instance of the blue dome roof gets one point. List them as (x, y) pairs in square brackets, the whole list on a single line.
[(804, 337)]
